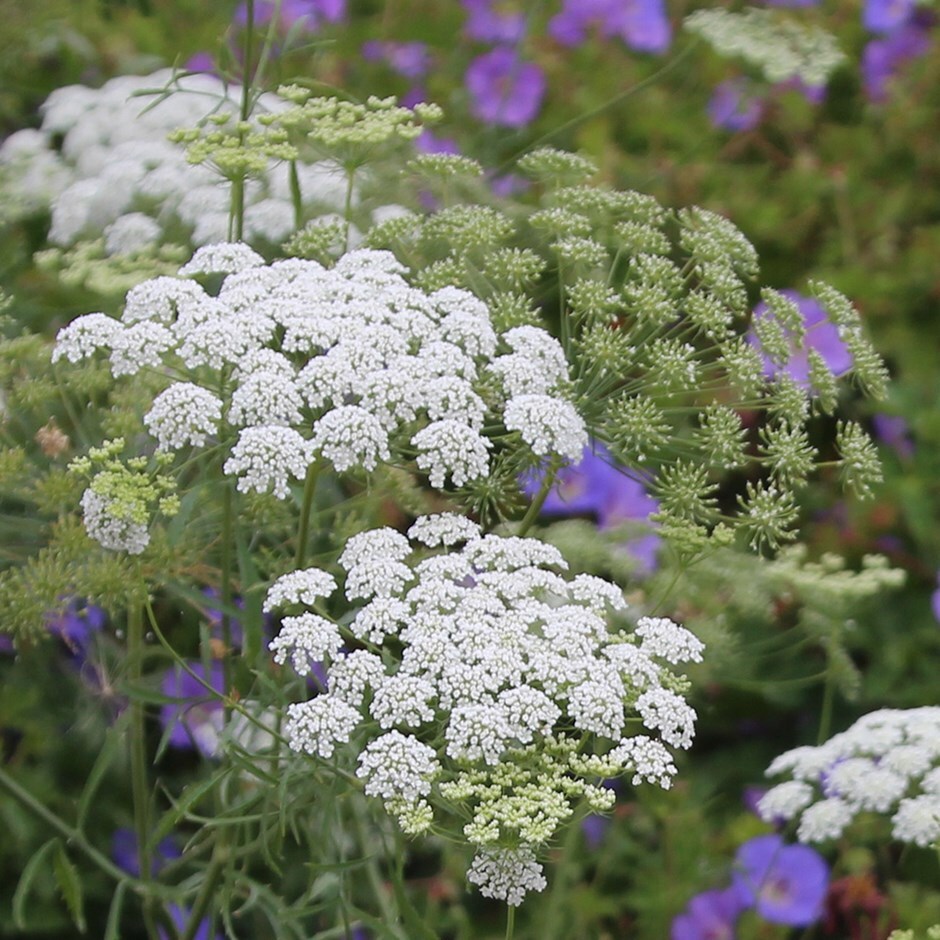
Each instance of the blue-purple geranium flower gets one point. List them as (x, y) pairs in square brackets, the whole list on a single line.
[(410, 59), (487, 23), (195, 719), (597, 487), (785, 884), (76, 624), (821, 335), (641, 24), (735, 106), (710, 915), (309, 14), (504, 89), (884, 58)]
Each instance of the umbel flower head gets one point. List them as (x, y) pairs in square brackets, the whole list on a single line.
[(350, 365), (478, 682), (887, 763)]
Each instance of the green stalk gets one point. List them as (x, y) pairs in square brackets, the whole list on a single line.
[(228, 512), (73, 837), (203, 899), (303, 533), (510, 921), (347, 207), (533, 511), (825, 714), (139, 786)]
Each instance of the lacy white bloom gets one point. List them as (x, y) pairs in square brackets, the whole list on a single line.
[(160, 299), (317, 726), (138, 346), (222, 258), (266, 458), (669, 641), (403, 700), (183, 414), (307, 639), (506, 874), (386, 544), (888, 763), (84, 336), (648, 760), (265, 397), (350, 437), (669, 714), (446, 528), (110, 531), (299, 587), (548, 425), (398, 765), (450, 448)]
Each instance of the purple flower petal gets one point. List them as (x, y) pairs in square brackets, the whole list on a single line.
[(883, 16), (484, 24), (710, 915), (786, 884), (504, 90), (641, 24), (195, 720), (734, 106), (821, 335)]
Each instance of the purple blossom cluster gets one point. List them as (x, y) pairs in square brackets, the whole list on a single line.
[(782, 884)]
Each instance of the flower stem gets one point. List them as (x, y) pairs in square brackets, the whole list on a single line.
[(548, 481), (303, 533), (510, 921)]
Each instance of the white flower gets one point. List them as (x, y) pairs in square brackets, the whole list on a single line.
[(918, 820), (669, 641), (351, 675), (299, 587), (265, 397), (160, 298), (446, 528), (183, 414), (669, 714), (307, 639), (450, 448), (377, 577), (386, 544), (448, 398), (824, 820), (380, 618), (398, 766), (131, 233), (139, 345), (506, 874), (222, 258), (597, 705), (84, 336), (110, 531), (528, 711), (317, 726), (266, 458), (648, 759), (403, 700), (548, 425), (785, 800), (350, 437)]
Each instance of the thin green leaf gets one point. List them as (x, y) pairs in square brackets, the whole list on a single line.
[(30, 870), (70, 885), (109, 750), (113, 927)]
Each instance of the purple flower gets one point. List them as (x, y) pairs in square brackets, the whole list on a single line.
[(883, 16), (734, 106), (596, 486), (883, 58), (485, 24), (504, 90), (195, 719), (429, 142), (200, 62), (310, 13), (180, 917), (821, 335), (791, 3), (594, 826), (710, 915), (410, 59), (75, 625), (935, 600), (641, 24), (894, 432), (786, 884), (6, 644), (124, 852)]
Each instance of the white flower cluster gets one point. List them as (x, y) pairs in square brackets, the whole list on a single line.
[(101, 162), (115, 532), (351, 364), (887, 762), (486, 672)]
